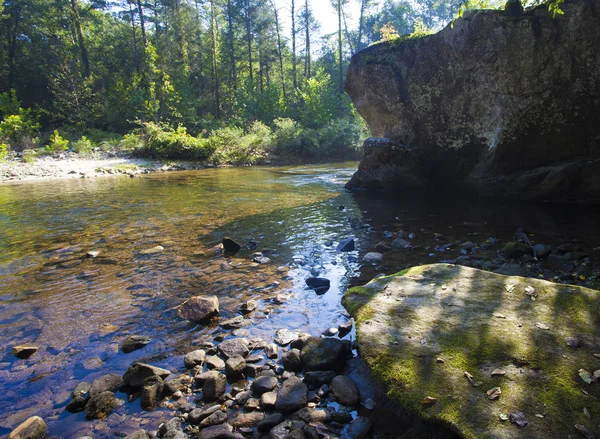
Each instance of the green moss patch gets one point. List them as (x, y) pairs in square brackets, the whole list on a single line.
[(422, 329)]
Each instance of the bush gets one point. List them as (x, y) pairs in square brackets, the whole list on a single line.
[(15, 127), (3, 151), (164, 142), (340, 137), (131, 142), (83, 145), (57, 143)]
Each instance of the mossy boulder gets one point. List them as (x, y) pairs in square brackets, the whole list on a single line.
[(441, 336)]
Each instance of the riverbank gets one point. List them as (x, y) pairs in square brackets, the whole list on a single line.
[(73, 165)]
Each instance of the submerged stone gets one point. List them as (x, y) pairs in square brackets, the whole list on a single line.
[(402, 332)]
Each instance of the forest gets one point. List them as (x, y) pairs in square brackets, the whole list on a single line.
[(226, 79)]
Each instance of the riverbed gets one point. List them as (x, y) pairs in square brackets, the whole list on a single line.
[(78, 306)]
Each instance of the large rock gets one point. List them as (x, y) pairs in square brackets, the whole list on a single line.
[(199, 309), (420, 338), (324, 354), (32, 428), (214, 386), (345, 390), (234, 347), (133, 343), (293, 395), (101, 405), (136, 374), (110, 382), (502, 104)]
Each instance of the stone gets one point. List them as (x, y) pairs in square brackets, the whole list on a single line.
[(139, 434), (272, 350), (270, 421), (198, 414), (194, 358), (214, 386), (173, 424), (291, 360), (230, 246), (80, 397), (214, 362), (542, 251), (330, 332), (263, 384), (346, 245), (280, 430), (234, 323), (373, 258), (324, 354), (410, 325), (401, 88), (246, 420), (401, 244), (216, 418), (345, 391), (151, 392), (216, 432), (293, 395), (153, 250), (199, 309), (110, 382), (267, 400), (24, 352), (296, 434), (138, 372), (101, 405), (360, 428), (134, 343), (319, 284), (318, 378), (235, 366), (234, 347), (32, 428), (261, 260), (284, 337), (182, 383), (383, 247), (243, 397), (249, 306), (345, 328), (514, 250)]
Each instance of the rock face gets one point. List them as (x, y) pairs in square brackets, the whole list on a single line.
[(503, 105), (443, 335)]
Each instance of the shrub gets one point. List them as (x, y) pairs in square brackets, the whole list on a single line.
[(57, 143), (164, 142), (15, 127), (83, 145), (131, 142), (340, 137), (3, 151)]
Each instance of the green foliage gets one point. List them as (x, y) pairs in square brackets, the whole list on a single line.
[(234, 147), (131, 142), (18, 126), (83, 145), (165, 142), (3, 152), (57, 143), (30, 155)]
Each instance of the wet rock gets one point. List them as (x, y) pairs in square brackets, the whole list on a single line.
[(110, 382), (153, 250), (253, 404), (247, 420), (234, 347), (263, 384), (345, 390), (152, 390), (194, 358), (557, 261), (80, 397), (235, 323), (330, 332), (198, 414), (249, 306), (268, 422), (216, 432), (172, 425), (311, 416), (383, 247), (230, 246), (280, 430), (346, 245), (266, 372), (262, 260), (24, 352), (401, 244), (252, 370), (345, 328), (182, 383), (243, 397), (373, 258), (214, 386), (319, 284), (296, 434), (271, 350), (284, 337), (542, 251), (514, 250), (216, 418), (101, 405), (360, 428), (293, 395), (268, 400), (318, 378), (298, 343), (134, 343), (214, 362), (467, 245), (235, 366), (140, 434), (199, 309), (138, 372), (32, 428), (310, 432), (291, 360), (324, 354)]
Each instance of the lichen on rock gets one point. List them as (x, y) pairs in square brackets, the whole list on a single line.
[(421, 330)]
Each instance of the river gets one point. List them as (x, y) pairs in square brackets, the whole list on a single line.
[(78, 308)]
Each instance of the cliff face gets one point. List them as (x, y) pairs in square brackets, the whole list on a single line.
[(501, 105)]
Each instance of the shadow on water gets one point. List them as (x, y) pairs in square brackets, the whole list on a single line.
[(78, 309)]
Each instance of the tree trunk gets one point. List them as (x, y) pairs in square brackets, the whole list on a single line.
[(363, 6), (249, 41), (135, 50), (231, 44), (294, 45), (12, 48), (142, 23), (82, 49), (215, 72), (279, 53), (347, 33), (307, 59), (339, 8)]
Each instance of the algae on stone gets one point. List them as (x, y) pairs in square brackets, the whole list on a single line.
[(476, 323)]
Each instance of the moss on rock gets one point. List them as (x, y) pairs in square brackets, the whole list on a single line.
[(422, 329)]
